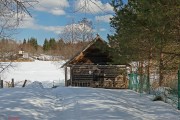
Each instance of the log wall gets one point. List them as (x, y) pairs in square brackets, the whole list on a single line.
[(106, 76)]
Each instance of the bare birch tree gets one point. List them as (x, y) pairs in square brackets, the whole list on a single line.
[(81, 31)]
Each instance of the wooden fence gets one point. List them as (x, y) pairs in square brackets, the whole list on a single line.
[(11, 84)]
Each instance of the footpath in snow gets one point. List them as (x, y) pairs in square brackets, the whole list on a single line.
[(68, 103)]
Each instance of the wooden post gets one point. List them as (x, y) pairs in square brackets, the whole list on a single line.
[(24, 83), (12, 83), (66, 76), (71, 74), (1, 83)]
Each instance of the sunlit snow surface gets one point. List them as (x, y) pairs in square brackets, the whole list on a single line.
[(68, 103), (37, 102), (46, 72)]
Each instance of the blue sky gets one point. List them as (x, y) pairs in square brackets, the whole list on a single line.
[(49, 17)]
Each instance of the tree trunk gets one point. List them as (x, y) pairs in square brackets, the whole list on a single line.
[(161, 69), (141, 77), (148, 70)]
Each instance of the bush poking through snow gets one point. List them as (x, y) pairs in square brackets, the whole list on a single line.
[(158, 98), (167, 95), (160, 94)]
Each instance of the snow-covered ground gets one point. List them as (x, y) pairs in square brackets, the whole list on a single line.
[(46, 72), (68, 103), (34, 102)]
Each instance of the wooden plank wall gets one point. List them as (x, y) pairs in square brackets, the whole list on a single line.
[(99, 76)]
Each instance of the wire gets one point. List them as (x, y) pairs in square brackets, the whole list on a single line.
[(86, 7), (99, 7)]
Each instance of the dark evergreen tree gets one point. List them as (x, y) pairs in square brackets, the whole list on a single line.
[(52, 44), (33, 42), (46, 45), (144, 29), (24, 41)]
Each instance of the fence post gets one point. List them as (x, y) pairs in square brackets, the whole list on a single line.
[(66, 76), (130, 81), (12, 83), (179, 88), (1, 83), (24, 83)]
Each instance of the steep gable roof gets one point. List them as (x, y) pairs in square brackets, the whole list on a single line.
[(81, 54)]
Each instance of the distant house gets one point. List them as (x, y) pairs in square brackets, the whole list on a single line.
[(20, 53), (92, 67), (23, 54)]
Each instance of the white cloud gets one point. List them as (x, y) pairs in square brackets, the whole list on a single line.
[(29, 22), (55, 7), (55, 29), (57, 11), (55, 3), (105, 18), (92, 6)]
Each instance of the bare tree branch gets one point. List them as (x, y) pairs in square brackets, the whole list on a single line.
[(4, 66), (12, 13)]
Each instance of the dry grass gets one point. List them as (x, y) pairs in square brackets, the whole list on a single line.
[(18, 60)]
